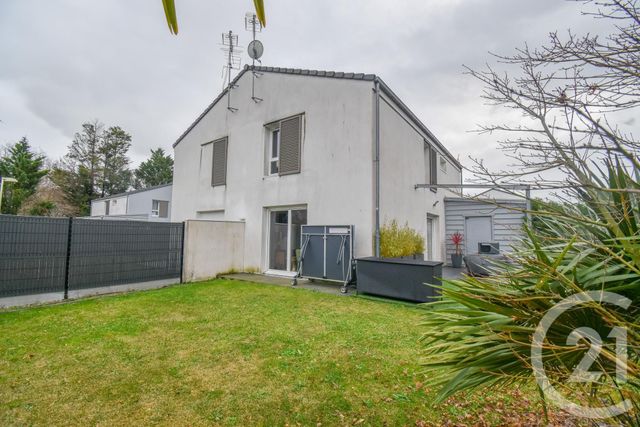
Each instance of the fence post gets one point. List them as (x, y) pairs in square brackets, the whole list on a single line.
[(66, 264), (182, 252)]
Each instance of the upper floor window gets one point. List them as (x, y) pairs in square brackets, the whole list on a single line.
[(274, 157), (160, 208), (443, 164), (284, 146), (433, 167), (430, 165), (219, 162)]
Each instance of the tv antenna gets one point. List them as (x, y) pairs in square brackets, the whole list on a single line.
[(255, 49), (232, 50)]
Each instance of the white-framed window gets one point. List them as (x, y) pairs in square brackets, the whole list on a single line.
[(274, 152), (106, 207), (430, 165), (283, 146), (159, 208), (443, 164)]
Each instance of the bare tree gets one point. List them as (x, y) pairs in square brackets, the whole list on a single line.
[(570, 93)]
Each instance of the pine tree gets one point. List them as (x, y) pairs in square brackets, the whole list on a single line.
[(84, 152), (21, 163), (114, 176), (76, 183), (156, 170), (96, 164)]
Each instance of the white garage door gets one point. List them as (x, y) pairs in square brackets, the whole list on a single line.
[(478, 229)]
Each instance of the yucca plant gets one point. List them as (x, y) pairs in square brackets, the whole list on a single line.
[(481, 333), (456, 239)]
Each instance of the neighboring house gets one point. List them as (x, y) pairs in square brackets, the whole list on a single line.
[(303, 151), (490, 217), (49, 199), (148, 204)]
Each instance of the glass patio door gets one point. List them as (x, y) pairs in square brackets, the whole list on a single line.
[(284, 238)]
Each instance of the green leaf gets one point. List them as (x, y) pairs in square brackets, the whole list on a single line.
[(259, 5), (170, 13)]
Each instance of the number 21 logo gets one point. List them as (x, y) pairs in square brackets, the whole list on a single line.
[(581, 373)]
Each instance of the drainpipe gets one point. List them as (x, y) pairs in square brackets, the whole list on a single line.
[(376, 166)]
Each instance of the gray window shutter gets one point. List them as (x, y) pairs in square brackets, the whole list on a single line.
[(163, 209), (433, 166), (219, 169), (290, 145)]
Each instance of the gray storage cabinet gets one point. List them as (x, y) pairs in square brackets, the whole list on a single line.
[(326, 253), (401, 278)]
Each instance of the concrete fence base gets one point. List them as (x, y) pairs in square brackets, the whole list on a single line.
[(35, 299), (113, 289), (21, 300), (210, 248)]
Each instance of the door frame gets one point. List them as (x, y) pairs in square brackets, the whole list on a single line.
[(465, 228), (435, 236), (267, 235)]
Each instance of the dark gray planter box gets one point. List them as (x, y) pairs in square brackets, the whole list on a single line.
[(401, 278)]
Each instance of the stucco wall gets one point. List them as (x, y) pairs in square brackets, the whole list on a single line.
[(402, 166), (212, 248), (335, 183), (118, 206), (135, 206), (140, 203)]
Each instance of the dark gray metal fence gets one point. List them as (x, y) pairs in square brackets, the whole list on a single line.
[(105, 253), (40, 255), (33, 254)]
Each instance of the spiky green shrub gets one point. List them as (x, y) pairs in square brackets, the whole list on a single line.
[(42, 208), (480, 333), (572, 93), (396, 241)]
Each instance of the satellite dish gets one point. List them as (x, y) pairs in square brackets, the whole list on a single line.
[(255, 49)]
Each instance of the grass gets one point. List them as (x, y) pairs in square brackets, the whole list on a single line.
[(225, 353)]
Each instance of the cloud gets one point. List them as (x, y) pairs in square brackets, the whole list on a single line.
[(69, 61)]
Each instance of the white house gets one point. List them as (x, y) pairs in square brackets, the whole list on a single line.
[(149, 204), (311, 147)]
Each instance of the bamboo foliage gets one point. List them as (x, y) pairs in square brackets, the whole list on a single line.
[(397, 241)]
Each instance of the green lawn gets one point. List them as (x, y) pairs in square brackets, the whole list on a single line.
[(227, 353)]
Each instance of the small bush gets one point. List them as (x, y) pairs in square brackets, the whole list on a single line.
[(43, 208), (396, 241)]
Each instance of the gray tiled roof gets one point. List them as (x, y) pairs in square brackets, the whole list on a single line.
[(327, 74), (317, 73)]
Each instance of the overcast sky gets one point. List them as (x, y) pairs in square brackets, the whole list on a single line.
[(64, 62)]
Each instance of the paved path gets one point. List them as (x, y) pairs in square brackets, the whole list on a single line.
[(325, 287), (453, 273), (319, 286)]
